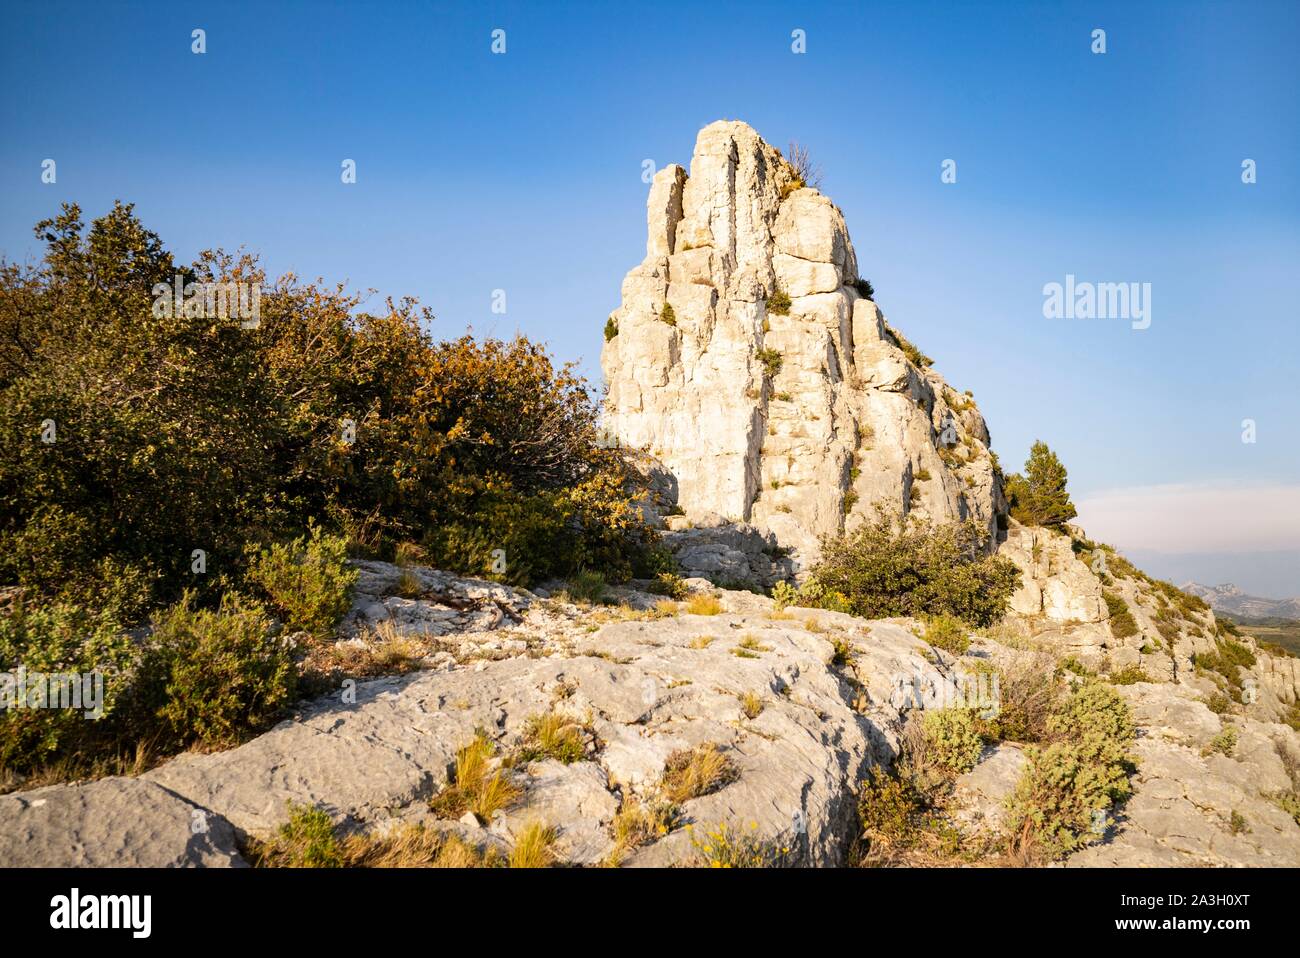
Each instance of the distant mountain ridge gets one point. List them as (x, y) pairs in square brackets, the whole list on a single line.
[(1228, 598)]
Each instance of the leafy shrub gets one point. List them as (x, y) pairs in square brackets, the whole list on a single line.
[(667, 315), (306, 840), (784, 594), (1122, 623), (771, 359), (1218, 703), (307, 580), (953, 739), (669, 584), (1039, 497), (1082, 772), (1055, 801), (465, 446), (865, 289), (58, 640), (1098, 720), (611, 328), (1224, 743), (213, 678), (779, 303), (888, 807), (1228, 659), (947, 632), (887, 569), (1129, 676), (587, 586)]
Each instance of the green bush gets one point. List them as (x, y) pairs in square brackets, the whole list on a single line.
[(947, 632), (1056, 798), (888, 808), (886, 569), (306, 840), (179, 430), (213, 678), (59, 639), (1224, 743), (1228, 659), (1129, 676), (587, 586), (1083, 771), (1122, 623), (307, 580), (667, 315), (771, 359), (669, 584), (779, 303), (952, 739), (1098, 720), (784, 594), (611, 328)]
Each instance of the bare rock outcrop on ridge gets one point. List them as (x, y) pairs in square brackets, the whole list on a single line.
[(796, 420)]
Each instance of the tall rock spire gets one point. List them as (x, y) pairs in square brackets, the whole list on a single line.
[(747, 358)]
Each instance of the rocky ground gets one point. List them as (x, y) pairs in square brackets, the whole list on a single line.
[(801, 702)]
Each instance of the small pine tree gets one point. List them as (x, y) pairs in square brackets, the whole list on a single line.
[(1039, 497)]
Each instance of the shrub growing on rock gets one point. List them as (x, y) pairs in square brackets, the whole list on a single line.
[(307, 580), (1056, 800), (214, 677), (947, 632), (1081, 773), (1122, 623), (952, 739), (57, 646), (885, 568)]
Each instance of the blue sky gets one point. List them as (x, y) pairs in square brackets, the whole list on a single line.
[(522, 172)]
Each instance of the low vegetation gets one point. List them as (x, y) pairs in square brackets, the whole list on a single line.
[(725, 846), (947, 632), (691, 773), (1070, 785), (1122, 623), (476, 786), (309, 840), (887, 568), (555, 737)]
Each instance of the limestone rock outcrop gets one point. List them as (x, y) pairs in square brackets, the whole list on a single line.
[(802, 702), (746, 359)]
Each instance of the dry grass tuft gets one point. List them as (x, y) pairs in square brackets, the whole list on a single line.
[(703, 605), (534, 847), (690, 773), (476, 788)]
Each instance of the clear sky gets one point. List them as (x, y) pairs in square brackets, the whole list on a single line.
[(522, 172)]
